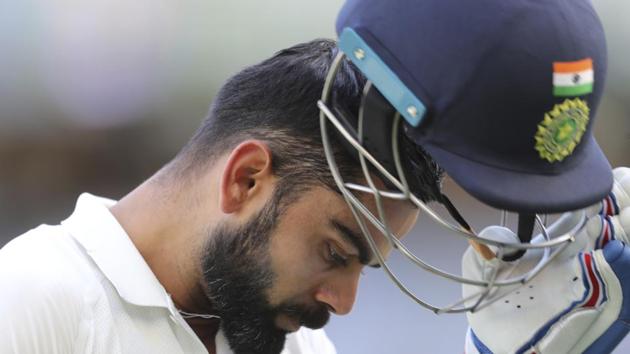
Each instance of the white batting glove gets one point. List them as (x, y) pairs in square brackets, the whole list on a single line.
[(577, 304)]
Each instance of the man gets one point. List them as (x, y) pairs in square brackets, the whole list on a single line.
[(502, 167), (240, 240)]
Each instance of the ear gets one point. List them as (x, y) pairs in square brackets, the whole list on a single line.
[(246, 174)]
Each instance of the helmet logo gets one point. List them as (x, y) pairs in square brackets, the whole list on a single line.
[(562, 129), (573, 78)]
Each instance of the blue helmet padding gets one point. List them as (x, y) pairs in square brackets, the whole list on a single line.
[(382, 77)]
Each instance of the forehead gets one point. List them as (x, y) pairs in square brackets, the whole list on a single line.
[(399, 215), (333, 203)]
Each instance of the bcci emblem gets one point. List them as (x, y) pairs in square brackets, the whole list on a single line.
[(562, 129)]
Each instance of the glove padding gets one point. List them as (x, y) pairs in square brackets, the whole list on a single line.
[(577, 303)]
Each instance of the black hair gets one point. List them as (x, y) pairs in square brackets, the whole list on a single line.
[(276, 101)]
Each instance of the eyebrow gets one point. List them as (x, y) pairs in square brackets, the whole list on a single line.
[(358, 240)]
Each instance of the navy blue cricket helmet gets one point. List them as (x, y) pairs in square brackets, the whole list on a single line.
[(502, 94)]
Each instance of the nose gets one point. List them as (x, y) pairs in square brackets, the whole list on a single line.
[(339, 293)]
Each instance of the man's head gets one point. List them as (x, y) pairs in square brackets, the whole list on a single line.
[(275, 245), (288, 267), (275, 101)]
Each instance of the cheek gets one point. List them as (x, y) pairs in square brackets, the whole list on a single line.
[(297, 266)]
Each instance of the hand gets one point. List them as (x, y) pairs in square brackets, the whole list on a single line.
[(577, 303)]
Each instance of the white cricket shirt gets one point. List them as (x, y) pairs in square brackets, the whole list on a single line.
[(83, 287)]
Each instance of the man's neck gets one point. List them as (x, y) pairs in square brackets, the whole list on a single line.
[(166, 240)]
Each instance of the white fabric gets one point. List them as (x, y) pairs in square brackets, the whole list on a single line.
[(512, 321), (575, 333), (83, 287), (568, 79), (504, 328), (469, 346), (547, 301)]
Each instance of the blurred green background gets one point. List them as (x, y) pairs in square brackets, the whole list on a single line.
[(96, 96)]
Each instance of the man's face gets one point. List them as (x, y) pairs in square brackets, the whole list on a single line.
[(276, 272)]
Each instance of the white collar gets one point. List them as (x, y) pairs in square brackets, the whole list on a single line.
[(104, 239), (107, 243)]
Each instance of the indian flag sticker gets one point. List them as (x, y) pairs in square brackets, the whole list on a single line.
[(573, 78)]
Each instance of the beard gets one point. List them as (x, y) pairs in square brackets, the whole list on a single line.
[(237, 274)]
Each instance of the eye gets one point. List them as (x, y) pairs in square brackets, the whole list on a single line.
[(335, 257)]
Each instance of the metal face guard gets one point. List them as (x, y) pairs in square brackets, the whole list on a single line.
[(393, 174)]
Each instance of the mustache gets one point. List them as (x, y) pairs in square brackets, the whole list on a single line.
[(311, 316)]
